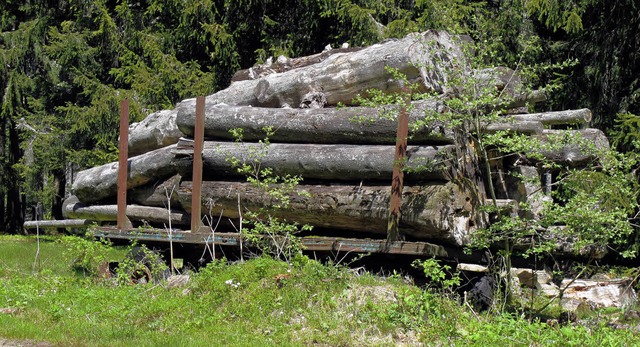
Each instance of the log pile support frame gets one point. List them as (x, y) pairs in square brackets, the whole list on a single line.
[(123, 161), (196, 193), (397, 182)]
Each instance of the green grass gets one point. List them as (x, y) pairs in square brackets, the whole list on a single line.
[(259, 302)]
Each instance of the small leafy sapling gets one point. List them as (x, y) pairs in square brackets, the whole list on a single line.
[(262, 227)]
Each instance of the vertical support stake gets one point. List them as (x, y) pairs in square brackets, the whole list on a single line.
[(123, 158), (198, 146), (393, 232)]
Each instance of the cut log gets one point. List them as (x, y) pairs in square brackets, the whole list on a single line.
[(519, 127), (523, 100), (584, 293), (334, 162), (443, 212), (341, 77), (574, 147), (101, 182), (157, 193), (350, 125), (581, 116), (109, 213), (284, 64), (54, 224), (157, 130)]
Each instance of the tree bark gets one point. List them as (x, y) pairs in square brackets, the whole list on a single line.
[(341, 77), (350, 125), (444, 212), (109, 213), (574, 147), (311, 161), (581, 116), (518, 127), (157, 193), (287, 64), (101, 182), (59, 224), (157, 130)]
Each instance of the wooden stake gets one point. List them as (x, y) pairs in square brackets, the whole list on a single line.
[(123, 158), (196, 194), (393, 232)]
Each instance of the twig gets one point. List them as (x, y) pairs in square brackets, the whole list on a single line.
[(466, 302), (240, 231), (168, 196), (37, 258)]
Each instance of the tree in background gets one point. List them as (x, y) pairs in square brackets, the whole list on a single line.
[(66, 64)]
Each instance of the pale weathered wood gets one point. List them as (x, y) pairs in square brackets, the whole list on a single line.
[(581, 116), (444, 212), (108, 213), (518, 127), (101, 182), (54, 224), (350, 125), (284, 64), (573, 147), (337, 245), (311, 161), (528, 98), (421, 57), (157, 130), (157, 193)]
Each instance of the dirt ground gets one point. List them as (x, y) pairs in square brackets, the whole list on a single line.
[(22, 343)]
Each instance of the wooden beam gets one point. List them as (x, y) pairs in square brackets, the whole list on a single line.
[(123, 158), (196, 197), (310, 243), (61, 223), (397, 181)]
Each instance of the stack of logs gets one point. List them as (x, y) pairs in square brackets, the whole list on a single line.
[(346, 165)]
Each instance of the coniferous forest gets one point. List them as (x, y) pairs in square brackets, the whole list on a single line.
[(65, 65)]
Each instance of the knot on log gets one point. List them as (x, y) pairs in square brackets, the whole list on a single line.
[(313, 100)]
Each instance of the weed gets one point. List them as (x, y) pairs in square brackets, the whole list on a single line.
[(275, 304)]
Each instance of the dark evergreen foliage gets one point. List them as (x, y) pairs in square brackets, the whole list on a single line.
[(66, 64)]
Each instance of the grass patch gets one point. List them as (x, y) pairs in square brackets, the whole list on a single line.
[(259, 302)]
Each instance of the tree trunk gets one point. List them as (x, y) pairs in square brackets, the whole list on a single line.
[(581, 116), (341, 77), (444, 212), (325, 162), (109, 213), (155, 193), (574, 147), (157, 130), (59, 182), (287, 64), (349, 125), (518, 127), (60, 224), (15, 207), (101, 182)]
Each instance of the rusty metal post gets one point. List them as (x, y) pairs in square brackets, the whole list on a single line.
[(123, 158), (196, 193), (393, 233)]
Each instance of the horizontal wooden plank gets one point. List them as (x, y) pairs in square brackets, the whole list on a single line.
[(311, 243), (62, 223)]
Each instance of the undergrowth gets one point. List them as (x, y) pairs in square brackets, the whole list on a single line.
[(258, 302)]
